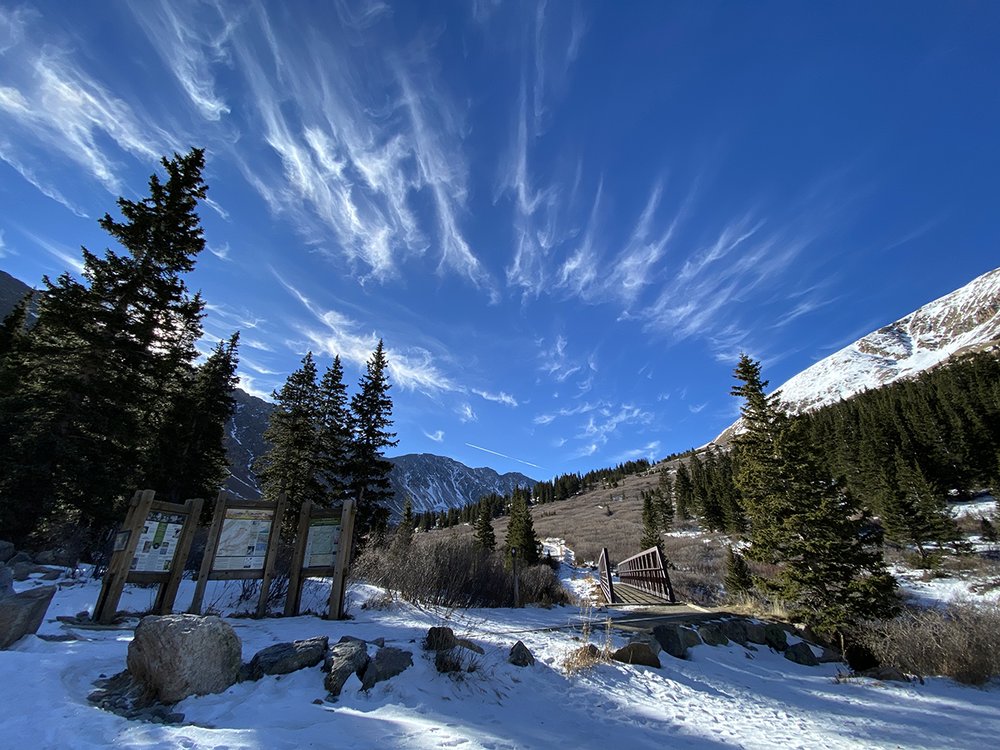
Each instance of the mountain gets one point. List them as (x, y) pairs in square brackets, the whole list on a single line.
[(965, 320), (12, 291), (438, 483)]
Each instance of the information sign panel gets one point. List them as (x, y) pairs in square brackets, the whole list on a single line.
[(243, 540), (321, 547), (158, 541)]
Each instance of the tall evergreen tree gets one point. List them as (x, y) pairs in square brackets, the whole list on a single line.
[(372, 410), (291, 465), (665, 501), (650, 523), (189, 456), (916, 513), (521, 531), (102, 363), (335, 432), (738, 579), (404, 532), (483, 532), (684, 492)]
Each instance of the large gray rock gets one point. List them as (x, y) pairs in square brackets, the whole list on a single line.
[(756, 632), (885, 674), (282, 658), (388, 662), (22, 614), (735, 629), (520, 656), (641, 651), (440, 639), (7, 550), (775, 637), (801, 653), (674, 639), (712, 634), (175, 656), (343, 660)]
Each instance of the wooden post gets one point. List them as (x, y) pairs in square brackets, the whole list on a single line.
[(666, 576), (273, 540), (114, 582), (168, 591), (336, 610), (604, 572), (211, 545), (295, 578)]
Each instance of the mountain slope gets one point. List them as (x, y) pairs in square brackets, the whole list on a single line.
[(964, 320)]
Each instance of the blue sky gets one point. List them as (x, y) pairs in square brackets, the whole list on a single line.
[(566, 220)]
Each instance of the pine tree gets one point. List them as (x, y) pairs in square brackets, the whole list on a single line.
[(684, 492), (650, 523), (335, 432), (738, 579), (832, 572), (916, 513), (189, 456), (484, 535), (372, 410), (404, 532), (102, 364), (665, 501), (521, 531), (291, 465)]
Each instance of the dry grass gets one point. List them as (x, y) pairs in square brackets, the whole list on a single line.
[(961, 642), (587, 655)]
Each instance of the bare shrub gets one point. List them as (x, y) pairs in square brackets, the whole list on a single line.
[(698, 567), (451, 571), (961, 641), (588, 655)]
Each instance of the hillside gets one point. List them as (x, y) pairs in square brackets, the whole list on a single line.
[(964, 320)]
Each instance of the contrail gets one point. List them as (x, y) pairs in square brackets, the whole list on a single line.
[(502, 455)]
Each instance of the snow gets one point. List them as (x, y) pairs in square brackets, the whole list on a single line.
[(721, 697)]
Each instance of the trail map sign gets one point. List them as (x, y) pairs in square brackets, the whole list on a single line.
[(322, 550), (242, 544), (151, 547)]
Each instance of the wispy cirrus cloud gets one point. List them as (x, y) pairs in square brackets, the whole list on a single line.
[(412, 368), (70, 259), (500, 398), (54, 106), (437, 436), (466, 413)]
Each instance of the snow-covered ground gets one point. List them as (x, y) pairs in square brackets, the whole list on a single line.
[(721, 697)]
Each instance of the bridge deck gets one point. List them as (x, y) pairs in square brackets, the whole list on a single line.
[(625, 594)]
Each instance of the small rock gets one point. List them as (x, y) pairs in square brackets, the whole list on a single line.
[(22, 569), (343, 660), (318, 702), (388, 662), (283, 658), (520, 656), (7, 550), (380, 642), (466, 643), (440, 639), (638, 652), (801, 653), (711, 633), (886, 674)]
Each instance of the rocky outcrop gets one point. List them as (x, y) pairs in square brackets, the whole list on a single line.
[(175, 656)]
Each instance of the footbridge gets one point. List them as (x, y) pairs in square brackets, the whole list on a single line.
[(642, 579)]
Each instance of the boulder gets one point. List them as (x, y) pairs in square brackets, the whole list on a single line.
[(775, 637), (756, 632), (830, 655), (343, 660), (520, 656), (440, 639), (736, 630), (388, 662), (19, 557), (175, 656), (639, 651), (61, 557), (711, 633), (282, 658), (7, 550), (23, 569), (672, 640), (801, 653), (6, 581), (886, 674), (22, 614)]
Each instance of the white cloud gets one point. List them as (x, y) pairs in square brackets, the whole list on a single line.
[(500, 398), (437, 436), (4, 250), (466, 413), (70, 260), (697, 408)]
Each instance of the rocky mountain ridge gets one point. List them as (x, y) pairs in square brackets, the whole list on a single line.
[(964, 320)]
